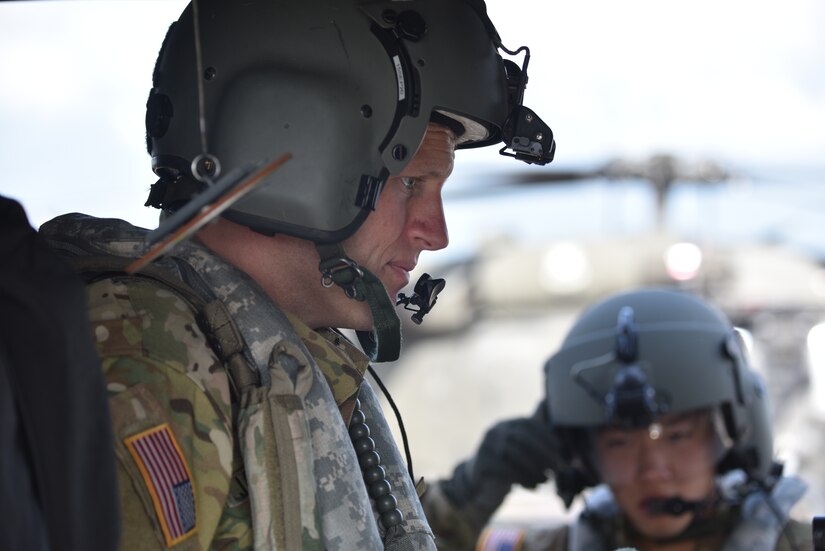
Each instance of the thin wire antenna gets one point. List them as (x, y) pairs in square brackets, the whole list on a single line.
[(516, 51), (523, 77), (198, 64)]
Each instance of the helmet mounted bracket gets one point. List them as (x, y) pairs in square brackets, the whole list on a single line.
[(630, 401), (530, 138)]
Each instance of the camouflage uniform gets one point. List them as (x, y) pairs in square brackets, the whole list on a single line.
[(197, 465), (750, 526)]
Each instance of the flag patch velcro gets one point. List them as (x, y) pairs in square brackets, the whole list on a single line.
[(168, 479), (501, 539)]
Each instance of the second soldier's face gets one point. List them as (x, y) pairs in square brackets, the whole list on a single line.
[(408, 219), (671, 458)]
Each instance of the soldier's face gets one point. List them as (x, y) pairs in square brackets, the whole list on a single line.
[(671, 458), (408, 219)]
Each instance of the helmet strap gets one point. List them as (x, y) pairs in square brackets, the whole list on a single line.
[(383, 343)]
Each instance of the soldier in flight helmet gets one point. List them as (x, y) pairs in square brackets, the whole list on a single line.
[(351, 98), (651, 401), (667, 353), (241, 413), (350, 91)]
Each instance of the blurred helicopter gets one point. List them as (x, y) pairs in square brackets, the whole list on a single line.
[(773, 290), (507, 303), (506, 275)]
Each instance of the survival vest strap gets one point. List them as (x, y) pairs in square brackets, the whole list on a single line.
[(264, 404), (212, 314)]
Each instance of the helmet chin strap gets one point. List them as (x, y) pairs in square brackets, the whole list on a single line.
[(383, 343)]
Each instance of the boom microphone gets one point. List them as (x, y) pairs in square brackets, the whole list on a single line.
[(424, 297), (675, 506)]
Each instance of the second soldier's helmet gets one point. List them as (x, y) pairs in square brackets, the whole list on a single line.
[(638, 355), (347, 87)]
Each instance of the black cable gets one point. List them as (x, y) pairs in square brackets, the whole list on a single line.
[(400, 421)]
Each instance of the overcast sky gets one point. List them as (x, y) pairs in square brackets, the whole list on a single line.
[(736, 80)]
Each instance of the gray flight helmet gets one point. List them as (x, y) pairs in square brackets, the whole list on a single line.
[(641, 354), (346, 87)]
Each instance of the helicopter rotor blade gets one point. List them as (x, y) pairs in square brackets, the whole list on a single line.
[(499, 183), (660, 170)]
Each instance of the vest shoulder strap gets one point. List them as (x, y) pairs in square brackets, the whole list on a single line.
[(212, 314), (276, 412)]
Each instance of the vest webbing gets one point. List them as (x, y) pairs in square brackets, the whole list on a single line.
[(212, 314), (254, 408)]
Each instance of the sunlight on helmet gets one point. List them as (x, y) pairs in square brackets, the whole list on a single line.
[(747, 341)]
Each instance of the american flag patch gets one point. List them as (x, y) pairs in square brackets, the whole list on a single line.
[(501, 539), (168, 480)]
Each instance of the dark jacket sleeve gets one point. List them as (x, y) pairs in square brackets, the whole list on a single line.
[(56, 420)]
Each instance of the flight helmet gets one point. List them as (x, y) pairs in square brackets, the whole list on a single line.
[(645, 353), (347, 87)]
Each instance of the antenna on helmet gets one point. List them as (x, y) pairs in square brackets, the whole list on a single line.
[(205, 166)]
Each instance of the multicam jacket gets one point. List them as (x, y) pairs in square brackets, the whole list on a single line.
[(207, 461)]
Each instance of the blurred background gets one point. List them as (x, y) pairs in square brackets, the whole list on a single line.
[(691, 141)]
